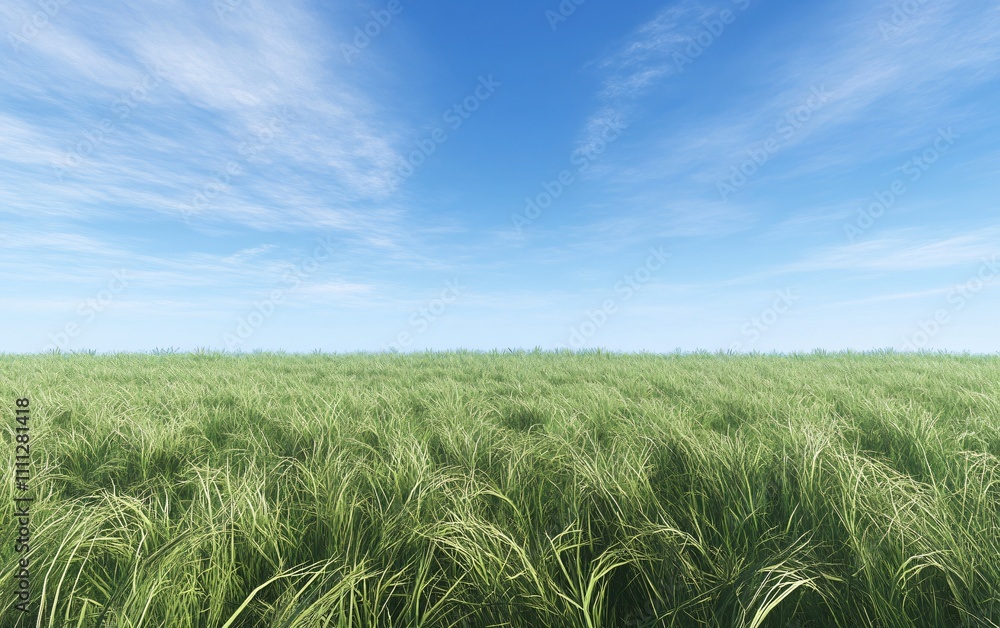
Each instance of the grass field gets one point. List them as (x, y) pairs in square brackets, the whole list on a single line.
[(524, 489)]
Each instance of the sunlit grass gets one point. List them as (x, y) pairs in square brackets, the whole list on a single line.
[(509, 489)]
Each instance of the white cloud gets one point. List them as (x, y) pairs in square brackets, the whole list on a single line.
[(224, 83), (870, 82)]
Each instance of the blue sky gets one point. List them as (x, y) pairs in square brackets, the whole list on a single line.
[(411, 175)]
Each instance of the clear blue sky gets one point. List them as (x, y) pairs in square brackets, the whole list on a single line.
[(640, 176)]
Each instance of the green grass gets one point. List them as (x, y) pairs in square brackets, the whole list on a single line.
[(520, 489)]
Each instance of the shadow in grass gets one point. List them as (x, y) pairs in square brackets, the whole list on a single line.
[(522, 417)]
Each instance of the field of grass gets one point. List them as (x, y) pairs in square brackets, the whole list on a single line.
[(524, 489)]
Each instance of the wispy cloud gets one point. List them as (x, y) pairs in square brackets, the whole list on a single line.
[(867, 85), (250, 253), (869, 81), (642, 60), (903, 251), (222, 82), (648, 53)]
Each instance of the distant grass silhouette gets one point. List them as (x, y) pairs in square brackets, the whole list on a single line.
[(509, 489)]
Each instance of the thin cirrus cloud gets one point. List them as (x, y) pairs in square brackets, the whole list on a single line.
[(909, 252), (181, 92), (644, 59), (900, 252), (866, 78), (208, 88)]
